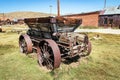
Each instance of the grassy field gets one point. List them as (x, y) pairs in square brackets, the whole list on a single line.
[(102, 64), (100, 27)]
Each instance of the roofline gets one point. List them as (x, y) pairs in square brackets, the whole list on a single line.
[(108, 14), (81, 14)]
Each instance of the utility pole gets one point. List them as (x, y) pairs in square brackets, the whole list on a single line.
[(3, 17), (104, 4), (50, 10), (58, 7)]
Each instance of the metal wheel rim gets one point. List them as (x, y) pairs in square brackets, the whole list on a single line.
[(25, 39), (50, 54)]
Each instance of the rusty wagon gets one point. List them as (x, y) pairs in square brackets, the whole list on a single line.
[(53, 38)]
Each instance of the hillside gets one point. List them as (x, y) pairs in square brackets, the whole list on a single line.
[(19, 15)]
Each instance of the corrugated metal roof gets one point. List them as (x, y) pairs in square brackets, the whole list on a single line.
[(111, 10)]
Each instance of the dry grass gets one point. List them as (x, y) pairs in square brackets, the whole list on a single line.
[(14, 28), (102, 64)]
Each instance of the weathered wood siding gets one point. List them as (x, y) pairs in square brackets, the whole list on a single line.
[(109, 20)]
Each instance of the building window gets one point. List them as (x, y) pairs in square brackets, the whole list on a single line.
[(105, 20), (110, 21)]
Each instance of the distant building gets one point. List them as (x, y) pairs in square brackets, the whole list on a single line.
[(20, 21), (10, 21), (88, 19), (110, 17)]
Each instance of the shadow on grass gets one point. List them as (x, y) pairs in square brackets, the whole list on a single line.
[(71, 60), (6, 48), (2, 32)]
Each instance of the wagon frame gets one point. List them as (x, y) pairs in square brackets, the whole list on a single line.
[(53, 38)]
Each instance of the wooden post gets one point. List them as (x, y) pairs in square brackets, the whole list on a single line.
[(104, 4), (58, 7), (50, 10)]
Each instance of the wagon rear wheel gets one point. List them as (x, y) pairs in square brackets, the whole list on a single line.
[(49, 54), (87, 49), (25, 44), (87, 46)]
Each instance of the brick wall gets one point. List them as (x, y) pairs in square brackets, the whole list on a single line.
[(88, 19)]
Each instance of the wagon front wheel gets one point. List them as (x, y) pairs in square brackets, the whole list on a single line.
[(49, 54)]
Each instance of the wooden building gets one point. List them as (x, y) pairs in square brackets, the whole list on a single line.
[(20, 21), (110, 17)]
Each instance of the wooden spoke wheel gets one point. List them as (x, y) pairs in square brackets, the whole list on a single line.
[(86, 46), (49, 54), (87, 49), (25, 44)]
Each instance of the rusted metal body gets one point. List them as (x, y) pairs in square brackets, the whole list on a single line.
[(53, 38)]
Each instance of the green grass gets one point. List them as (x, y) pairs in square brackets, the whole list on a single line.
[(102, 64), (13, 28), (94, 27), (88, 27)]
